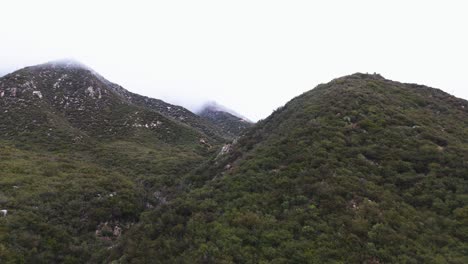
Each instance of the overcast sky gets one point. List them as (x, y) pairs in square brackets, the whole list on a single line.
[(251, 56)]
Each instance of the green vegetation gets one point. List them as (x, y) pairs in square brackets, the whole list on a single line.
[(232, 126), (359, 170), (58, 201), (79, 165)]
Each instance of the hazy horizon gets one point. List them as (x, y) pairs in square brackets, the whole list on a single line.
[(250, 56)]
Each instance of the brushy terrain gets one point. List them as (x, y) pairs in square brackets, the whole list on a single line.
[(358, 170), (230, 124), (81, 159)]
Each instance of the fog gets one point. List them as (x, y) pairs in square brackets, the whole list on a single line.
[(251, 56)]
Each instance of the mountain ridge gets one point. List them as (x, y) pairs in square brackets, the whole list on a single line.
[(230, 122), (214, 106), (82, 158), (358, 170), (95, 91)]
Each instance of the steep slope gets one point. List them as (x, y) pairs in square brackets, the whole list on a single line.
[(174, 112), (67, 96), (358, 170), (230, 123), (80, 159)]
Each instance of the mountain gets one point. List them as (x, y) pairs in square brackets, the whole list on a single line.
[(82, 158), (68, 97), (359, 170), (229, 122)]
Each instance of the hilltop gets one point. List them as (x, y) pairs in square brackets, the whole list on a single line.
[(358, 170), (66, 95), (229, 121), (82, 158)]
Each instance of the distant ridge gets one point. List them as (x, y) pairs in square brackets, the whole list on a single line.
[(214, 106), (83, 95), (229, 121)]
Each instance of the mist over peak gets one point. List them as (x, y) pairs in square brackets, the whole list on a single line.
[(216, 107), (69, 63)]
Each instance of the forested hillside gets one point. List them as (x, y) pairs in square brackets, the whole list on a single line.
[(232, 125), (358, 170), (81, 159)]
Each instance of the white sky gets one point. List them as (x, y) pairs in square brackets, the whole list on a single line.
[(251, 56)]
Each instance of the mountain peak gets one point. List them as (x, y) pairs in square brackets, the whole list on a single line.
[(358, 76), (338, 162), (366, 76), (67, 63), (214, 106), (89, 102), (229, 121)]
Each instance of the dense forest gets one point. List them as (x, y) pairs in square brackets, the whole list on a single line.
[(358, 170), (81, 158)]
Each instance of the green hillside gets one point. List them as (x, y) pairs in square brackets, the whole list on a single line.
[(232, 125), (79, 162), (358, 170)]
